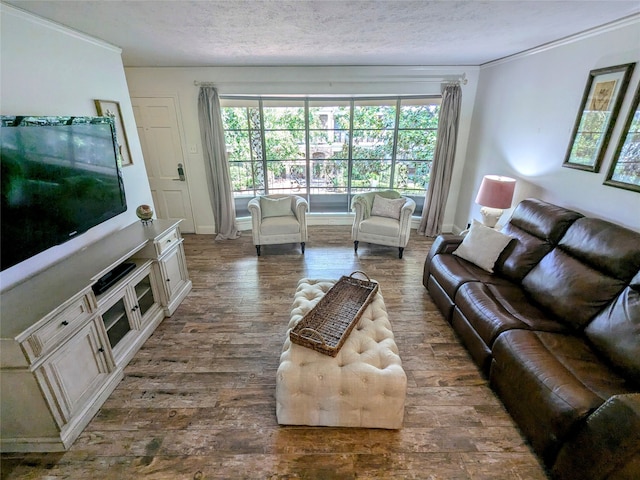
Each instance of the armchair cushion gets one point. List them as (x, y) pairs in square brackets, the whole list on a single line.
[(284, 225), (482, 246), (275, 207), (384, 226), (387, 207)]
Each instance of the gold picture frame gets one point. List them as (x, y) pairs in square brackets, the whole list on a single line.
[(111, 108), (624, 171), (598, 112)]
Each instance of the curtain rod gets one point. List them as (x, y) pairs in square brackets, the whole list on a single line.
[(462, 80)]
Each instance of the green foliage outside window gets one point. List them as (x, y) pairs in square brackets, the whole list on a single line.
[(273, 147)]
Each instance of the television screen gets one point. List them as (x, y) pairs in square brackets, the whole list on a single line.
[(60, 176)]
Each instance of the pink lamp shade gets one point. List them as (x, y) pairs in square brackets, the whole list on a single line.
[(496, 191)]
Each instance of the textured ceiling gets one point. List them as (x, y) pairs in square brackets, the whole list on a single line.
[(326, 32)]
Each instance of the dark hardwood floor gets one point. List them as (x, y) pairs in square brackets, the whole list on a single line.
[(198, 400)]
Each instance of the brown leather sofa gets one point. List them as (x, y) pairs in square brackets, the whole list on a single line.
[(556, 329)]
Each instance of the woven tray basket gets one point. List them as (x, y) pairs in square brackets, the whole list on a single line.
[(327, 325)]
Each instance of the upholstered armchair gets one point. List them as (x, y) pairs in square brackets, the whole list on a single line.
[(382, 218), (277, 219)]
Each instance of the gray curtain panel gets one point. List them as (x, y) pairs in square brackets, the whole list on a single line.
[(442, 168), (216, 165)]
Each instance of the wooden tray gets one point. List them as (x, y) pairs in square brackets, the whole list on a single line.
[(327, 325)]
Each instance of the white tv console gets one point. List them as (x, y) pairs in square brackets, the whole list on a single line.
[(63, 348)]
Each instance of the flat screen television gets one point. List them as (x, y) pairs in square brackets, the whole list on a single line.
[(60, 176)]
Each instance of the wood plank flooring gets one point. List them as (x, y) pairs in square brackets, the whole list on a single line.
[(198, 400)]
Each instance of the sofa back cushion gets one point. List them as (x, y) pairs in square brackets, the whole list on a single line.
[(536, 227), (593, 262), (615, 332)]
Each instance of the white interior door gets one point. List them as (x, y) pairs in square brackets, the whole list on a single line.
[(157, 123)]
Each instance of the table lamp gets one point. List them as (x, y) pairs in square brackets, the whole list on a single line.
[(495, 194)]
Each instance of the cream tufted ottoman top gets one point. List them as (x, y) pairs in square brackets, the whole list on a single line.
[(364, 385)]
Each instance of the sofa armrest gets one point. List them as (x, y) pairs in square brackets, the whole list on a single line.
[(254, 203), (444, 243), (256, 218), (362, 209), (362, 206), (405, 220), (607, 446), (407, 210), (300, 210)]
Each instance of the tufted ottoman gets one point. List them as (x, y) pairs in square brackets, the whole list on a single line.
[(363, 386)]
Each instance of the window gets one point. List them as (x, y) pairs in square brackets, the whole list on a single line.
[(327, 150)]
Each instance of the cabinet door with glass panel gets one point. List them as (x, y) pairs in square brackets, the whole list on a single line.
[(145, 297), (128, 309)]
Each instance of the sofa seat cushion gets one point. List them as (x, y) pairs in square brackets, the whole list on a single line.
[(451, 271), (494, 308), (549, 382)]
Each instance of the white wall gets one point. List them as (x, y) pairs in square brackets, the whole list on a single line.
[(524, 114), (179, 84), (47, 69)]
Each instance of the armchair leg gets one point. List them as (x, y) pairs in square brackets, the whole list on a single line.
[(302, 246), (355, 246), (258, 249), (401, 250)]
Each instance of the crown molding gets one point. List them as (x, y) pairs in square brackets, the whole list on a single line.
[(623, 22), (6, 9)]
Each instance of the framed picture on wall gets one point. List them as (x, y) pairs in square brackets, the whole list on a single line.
[(110, 108), (599, 109), (624, 171)]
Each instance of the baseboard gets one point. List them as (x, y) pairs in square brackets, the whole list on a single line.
[(208, 229), (39, 445), (455, 229)]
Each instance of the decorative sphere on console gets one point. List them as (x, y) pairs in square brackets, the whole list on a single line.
[(144, 213)]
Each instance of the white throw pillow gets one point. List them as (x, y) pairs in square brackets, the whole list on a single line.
[(387, 207), (275, 207), (482, 246)]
